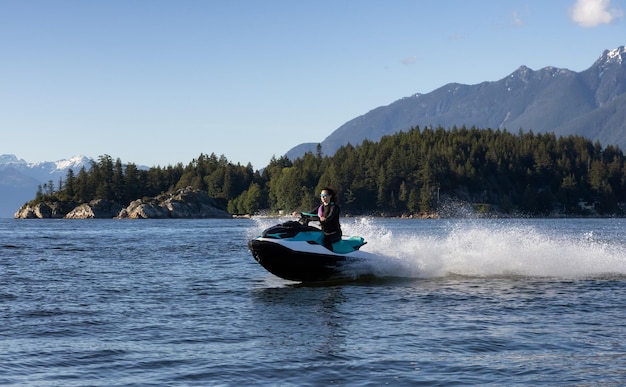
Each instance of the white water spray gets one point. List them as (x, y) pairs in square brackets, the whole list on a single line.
[(472, 248)]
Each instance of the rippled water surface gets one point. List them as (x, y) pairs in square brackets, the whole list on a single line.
[(182, 302)]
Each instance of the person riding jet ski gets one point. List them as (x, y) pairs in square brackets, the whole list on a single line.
[(328, 216)]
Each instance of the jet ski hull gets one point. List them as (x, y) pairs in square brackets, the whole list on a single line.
[(294, 265)]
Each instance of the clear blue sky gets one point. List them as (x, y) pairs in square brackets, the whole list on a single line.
[(159, 82)]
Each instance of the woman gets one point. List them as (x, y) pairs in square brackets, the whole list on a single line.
[(328, 216)]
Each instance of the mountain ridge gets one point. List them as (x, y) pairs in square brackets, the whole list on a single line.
[(39, 167), (550, 99)]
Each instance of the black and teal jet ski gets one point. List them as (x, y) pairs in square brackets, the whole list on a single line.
[(295, 251)]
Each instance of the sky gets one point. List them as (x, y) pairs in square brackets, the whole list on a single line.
[(157, 82)]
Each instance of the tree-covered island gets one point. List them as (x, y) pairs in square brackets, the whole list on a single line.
[(416, 172)]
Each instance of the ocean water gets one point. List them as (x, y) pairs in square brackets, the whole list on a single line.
[(182, 302)]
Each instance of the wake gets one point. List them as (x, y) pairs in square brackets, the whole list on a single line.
[(486, 249)]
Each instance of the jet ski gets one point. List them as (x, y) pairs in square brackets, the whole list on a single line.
[(295, 251)]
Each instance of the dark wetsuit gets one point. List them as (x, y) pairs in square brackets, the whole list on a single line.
[(331, 226)]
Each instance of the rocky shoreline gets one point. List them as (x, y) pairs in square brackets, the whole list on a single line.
[(195, 204), (182, 204)]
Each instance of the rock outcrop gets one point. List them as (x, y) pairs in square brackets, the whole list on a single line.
[(95, 209), (51, 210), (184, 203)]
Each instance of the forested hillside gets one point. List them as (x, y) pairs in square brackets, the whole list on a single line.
[(406, 173)]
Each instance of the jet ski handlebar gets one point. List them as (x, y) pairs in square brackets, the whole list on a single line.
[(306, 217)]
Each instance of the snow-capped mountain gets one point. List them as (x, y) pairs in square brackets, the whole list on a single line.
[(19, 179), (44, 170), (613, 56)]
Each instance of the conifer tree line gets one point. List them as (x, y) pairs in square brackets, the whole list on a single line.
[(405, 173)]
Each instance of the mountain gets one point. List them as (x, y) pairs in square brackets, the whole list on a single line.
[(591, 103), (19, 179)]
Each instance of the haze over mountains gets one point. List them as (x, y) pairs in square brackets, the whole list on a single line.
[(591, 103), (19, 179)]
